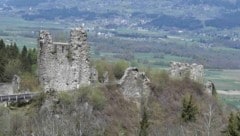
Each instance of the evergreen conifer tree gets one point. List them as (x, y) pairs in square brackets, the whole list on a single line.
[(144, 124), (2, 44), (232, 126), (26, 66), (189, 110)]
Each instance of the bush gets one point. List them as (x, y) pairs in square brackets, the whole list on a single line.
[(65, 98), (160, 79), (119, 68), (189, 110), (12, 67), (98, 99), (38, 100), (233, 128), (103, 66), (29, 82), (93, 95)]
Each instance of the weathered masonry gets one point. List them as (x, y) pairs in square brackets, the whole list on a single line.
[(63, 66), (193, 71)]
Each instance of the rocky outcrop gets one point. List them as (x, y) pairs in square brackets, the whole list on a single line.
[(105, 77), (10, 88), (210, 88), (135, 85), (63, 66), (16, 82), (181, 70)]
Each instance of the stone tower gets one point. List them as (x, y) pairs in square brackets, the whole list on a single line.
[(63, 66)]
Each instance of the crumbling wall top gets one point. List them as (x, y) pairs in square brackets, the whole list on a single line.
[(45, 37), (78, 35), (193, 71), (135, 85)]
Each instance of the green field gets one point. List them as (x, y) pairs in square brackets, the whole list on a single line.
[(15, 29), (233, 101), (224, 79)]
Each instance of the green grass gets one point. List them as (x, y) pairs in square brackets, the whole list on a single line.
[(159, 62)]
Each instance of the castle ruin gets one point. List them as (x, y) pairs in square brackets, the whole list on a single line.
[(193, 71), (63, 66)]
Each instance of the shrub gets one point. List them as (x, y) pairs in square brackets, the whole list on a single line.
[(93, 95), (11, 68), (144, 124), (29, 82), (160, 79), (65, 98), (103, 66), (189, 110), (119, 68), (233, 128), (38, 100), (98, 99)]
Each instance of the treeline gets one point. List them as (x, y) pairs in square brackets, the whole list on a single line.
[(226, 21), (178, 22), (25, 3), (16, 61), (209, 57), (53, 13)]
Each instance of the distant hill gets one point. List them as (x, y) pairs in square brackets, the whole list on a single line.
[(183, 14)]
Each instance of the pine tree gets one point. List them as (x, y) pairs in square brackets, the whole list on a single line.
[(189, 110), (144, 124), (26, 66), (232, 126), (2, 69), (2, 59), (12, 51), (24, 52), (2, 44)]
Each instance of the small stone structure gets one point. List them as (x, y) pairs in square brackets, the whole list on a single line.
[(63, 66), (135, 85), (210, 87), (11, 88), (16, 82), (181, 70)]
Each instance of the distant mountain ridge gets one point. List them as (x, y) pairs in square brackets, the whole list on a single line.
[(157, 14)]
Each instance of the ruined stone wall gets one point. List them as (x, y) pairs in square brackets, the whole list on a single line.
[(63, 66), (135, 85), (181, 70)]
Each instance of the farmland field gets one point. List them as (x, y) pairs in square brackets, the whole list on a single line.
[(14, 29), (224, 79)]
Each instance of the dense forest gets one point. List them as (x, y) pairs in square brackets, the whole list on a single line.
[(22, 62), (210, 58)]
